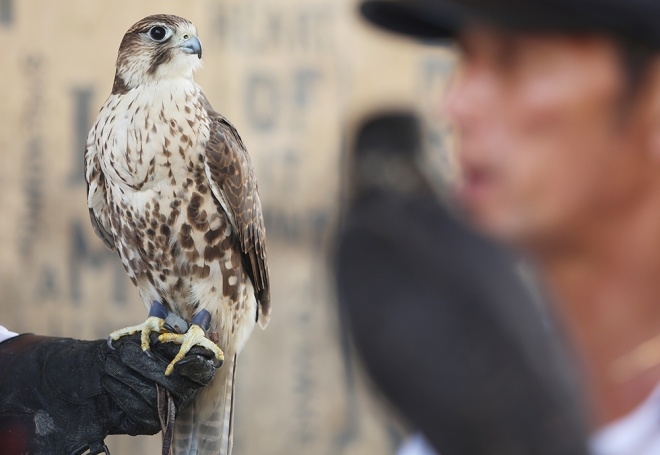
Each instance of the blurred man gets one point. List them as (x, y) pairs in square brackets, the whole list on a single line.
[(557, 106), (443, 325)]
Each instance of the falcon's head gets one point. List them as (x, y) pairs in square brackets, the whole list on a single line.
[(156, 48)]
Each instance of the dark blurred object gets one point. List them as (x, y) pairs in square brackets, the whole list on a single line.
[(433, 19), (443, 324), (386, 156), (64, 396)]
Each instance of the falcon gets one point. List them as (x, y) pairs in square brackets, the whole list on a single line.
[(171, 188)]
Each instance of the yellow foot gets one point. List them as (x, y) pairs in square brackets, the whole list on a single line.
[(193, 337), (152, 324)]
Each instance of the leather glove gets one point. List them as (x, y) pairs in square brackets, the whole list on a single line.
[(64, 396)]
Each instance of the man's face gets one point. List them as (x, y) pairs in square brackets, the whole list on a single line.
[(547, 145)]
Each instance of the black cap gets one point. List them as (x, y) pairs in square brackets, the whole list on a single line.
[(637, 20)]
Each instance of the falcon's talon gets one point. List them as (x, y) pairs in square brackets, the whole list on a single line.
[(152, 324), (109, 343), (193, 337)]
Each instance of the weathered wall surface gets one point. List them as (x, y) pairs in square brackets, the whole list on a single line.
[(293, 75)]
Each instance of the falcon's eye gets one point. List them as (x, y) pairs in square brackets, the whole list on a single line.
[(157, 33)]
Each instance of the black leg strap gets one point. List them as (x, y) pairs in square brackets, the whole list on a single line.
[(166, 414), (98, 447)]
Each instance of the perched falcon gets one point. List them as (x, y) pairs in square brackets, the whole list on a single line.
[(171, 188)]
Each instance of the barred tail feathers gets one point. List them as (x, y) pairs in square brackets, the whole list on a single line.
[(206, 426)]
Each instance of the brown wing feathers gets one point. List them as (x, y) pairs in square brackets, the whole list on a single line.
[(94, 174), (234, 183)]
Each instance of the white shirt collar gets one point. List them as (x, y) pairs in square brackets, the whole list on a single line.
[(638, 433)]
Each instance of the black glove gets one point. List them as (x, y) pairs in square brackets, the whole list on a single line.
[(64, 396)]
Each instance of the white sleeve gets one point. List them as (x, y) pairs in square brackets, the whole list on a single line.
[(416, 445), (6, 334)]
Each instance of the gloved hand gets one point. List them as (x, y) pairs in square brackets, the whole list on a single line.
[(63, 396)]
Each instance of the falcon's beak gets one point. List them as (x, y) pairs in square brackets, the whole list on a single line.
[(192, 46)]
